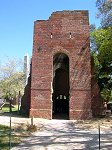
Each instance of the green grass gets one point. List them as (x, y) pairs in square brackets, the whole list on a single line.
[(4, 138), (6, 109)]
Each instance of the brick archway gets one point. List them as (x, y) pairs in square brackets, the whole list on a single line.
[(60, 85)]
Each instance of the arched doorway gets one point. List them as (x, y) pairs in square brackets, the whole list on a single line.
[(61, 86)]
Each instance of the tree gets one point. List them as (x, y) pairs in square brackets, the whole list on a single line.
[(103, 60), (93, 46), (103, 42), (11, 78), (105, 12), (101, 46)]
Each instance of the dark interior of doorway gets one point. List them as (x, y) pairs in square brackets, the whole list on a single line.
[(60, 86), (61, 107)]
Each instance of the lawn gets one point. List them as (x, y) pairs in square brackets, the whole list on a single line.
[(4, 138), (17, 133), (6, 108)]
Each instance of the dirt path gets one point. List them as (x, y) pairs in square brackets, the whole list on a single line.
[(62, 135)]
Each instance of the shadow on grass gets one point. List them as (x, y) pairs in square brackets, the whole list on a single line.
[(5, 136), (14, 114), (15, 111), (15, 140), (5, 146)]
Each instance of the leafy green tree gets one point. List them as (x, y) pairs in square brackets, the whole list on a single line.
[(103, 60), (11, 79), (101, 47)]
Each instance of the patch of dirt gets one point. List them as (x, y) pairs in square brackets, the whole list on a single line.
[(26, 129), (104, 123)]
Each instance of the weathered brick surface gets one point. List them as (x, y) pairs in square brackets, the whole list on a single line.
[(96, 100), (60, 25), (26, 99), (70, 35)]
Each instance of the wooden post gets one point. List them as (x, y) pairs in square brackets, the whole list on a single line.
[(99, 133), (31, 121), (10, 126), (19, 101), (10, 105)]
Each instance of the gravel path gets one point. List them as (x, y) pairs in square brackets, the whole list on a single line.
[(62, 135)]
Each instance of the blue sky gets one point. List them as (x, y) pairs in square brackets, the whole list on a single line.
[(17, 19)]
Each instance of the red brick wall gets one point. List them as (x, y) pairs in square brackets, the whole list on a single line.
[(26, 99), (96, 99), (61, 24)]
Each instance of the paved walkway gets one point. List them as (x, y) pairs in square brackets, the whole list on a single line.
[(61, 135), (64, 135)]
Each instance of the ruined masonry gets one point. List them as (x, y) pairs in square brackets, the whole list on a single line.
[(61, 82)]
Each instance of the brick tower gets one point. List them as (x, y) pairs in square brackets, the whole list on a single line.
[(61, 66)]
